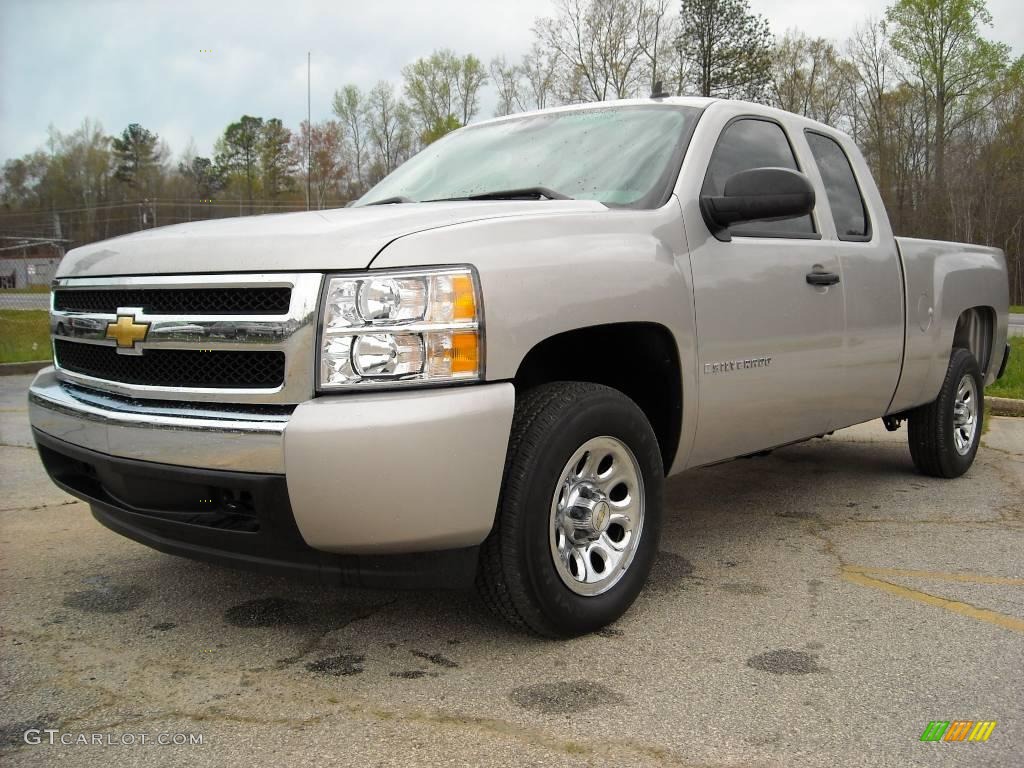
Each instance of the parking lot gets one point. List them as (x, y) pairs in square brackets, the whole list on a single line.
[(818, 606)]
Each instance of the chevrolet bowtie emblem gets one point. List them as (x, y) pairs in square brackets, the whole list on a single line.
[(126, 332)]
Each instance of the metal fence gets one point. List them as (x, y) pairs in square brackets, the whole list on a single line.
[(25, 282)]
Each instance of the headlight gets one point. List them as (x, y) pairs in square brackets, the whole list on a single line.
[(390, 327)]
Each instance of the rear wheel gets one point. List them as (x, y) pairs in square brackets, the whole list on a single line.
[(944, 434), (580, 511)]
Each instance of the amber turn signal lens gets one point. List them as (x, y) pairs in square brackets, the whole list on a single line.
[(465, 352), (464, 298)]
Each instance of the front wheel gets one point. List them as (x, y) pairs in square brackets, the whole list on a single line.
[(944, 434), (580, 511)]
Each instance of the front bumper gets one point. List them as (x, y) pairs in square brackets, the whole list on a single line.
[(360, 474)]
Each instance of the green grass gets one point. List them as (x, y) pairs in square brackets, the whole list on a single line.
[(1017, 309), (1012, 383), (24, 335), (30, 289)]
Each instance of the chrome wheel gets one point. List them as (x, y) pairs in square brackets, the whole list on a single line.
[(965, 415), (597, 516)]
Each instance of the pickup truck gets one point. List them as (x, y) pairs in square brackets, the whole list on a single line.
[(484, 369)]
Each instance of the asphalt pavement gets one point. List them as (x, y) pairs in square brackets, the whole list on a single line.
[(24, 300), (1016, 327), (815, 607)]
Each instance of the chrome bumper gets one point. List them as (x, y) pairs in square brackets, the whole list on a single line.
[(192, 437)]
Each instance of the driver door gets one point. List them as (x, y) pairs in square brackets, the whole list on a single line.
[(770, 345)]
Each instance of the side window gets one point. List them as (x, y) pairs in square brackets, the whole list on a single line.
[(844, 197), (752, 143)]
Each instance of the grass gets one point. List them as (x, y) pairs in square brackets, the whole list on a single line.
[(1017, 309), (1012, 383), (24, 335), (30, 289)]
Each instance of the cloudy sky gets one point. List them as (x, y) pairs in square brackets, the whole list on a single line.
[(122, 61)]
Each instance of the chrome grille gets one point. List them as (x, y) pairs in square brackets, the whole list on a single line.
[(231, 339), (174, 367), (178, 301)]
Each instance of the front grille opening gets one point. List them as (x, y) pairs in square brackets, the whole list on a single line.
[(214, 369), (177, 301)]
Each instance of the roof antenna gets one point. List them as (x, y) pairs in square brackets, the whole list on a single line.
[(658, 92)]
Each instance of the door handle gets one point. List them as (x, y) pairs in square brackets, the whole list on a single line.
[(822, 278)]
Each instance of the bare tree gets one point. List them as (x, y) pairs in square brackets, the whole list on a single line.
[(350, 107)]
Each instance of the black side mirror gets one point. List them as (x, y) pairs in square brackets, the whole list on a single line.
[(760, 194)]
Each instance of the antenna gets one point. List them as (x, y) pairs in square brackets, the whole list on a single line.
[(309, 132)]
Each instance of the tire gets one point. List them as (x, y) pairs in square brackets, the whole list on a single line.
[(518, 576), (938, 445)]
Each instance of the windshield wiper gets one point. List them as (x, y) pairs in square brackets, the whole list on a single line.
[(392, 200), (511, 194)]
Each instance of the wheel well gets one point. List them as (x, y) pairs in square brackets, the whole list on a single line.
[(638, 359), (974, 333)]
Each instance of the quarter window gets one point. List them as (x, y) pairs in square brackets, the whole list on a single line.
[(844, 197), (751, 143)]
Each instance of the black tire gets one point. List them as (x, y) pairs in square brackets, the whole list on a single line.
[(931, 427), (517, 577)]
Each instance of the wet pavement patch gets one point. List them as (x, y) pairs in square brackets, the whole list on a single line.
[(669, 572), (106, 599), (410, 674), (564, 697), (13, 734), (786, 662), (745, 588), (163, 626), (339, 666), (436, 658), (267, 612)]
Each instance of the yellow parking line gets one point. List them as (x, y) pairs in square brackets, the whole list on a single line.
[(968, 578), (1011, 623)]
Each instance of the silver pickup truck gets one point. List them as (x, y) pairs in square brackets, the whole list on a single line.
[(485, 368)]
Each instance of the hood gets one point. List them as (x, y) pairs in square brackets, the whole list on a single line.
[(330, 240)]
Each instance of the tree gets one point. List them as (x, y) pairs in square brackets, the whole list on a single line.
[(811, 78), (508, 82), (390, 129), (350, 108), (431, 85), (276, 159), (137, 153), (727, 47), (202, 175), (470, 77), (597, 43), (539, 72), (328, 165), (441, 128), (238, 152), (954, 64)]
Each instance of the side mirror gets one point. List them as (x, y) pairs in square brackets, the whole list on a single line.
[(760, 194)]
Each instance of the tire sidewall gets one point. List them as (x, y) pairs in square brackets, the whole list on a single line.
[(955, 464), (602, 414)]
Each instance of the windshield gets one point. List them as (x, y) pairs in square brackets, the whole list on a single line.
[(620, 156)]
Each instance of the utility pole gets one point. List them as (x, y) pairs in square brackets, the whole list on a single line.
[(309, 130)]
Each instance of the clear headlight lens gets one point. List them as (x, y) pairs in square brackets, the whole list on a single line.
[(401, 327)]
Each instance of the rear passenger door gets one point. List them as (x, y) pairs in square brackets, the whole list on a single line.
[(873, 285), (770, 345)]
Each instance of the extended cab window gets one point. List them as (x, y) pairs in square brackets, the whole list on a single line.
[(752, 143), (844, 197)]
